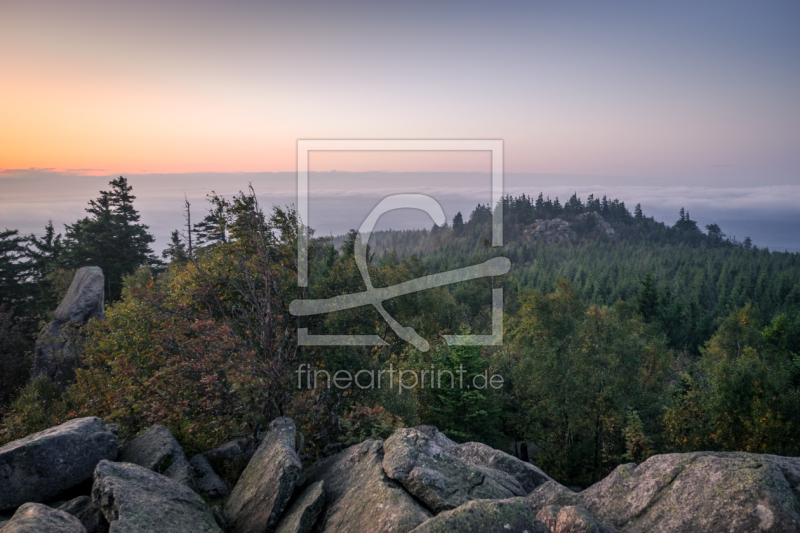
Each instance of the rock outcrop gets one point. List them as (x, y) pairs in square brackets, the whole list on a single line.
[(560, 230), (268, 483), (443, 481), (418, 480), (360, 497), (552, 493), (84, 297), (528, 476), (38, 518), (572, 519), (551, 231), (486, 516), (135, 499), (40, 466), (303, 514), (158, 450), (701, 492), (55, 355), (604, 226)]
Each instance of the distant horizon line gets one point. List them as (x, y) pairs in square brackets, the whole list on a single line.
[(582, 179)]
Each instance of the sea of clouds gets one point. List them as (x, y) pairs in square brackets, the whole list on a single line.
[(340, 201)]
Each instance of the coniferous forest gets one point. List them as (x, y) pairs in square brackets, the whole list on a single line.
[(623, 336)]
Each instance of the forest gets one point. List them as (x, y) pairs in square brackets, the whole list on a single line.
[(652, 339)]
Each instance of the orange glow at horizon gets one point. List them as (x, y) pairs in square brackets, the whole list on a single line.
[(179, 87)]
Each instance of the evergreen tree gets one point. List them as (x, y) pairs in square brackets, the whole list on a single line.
[(540, 206), (686, 225), (647, 302), (44, 255), (211, 230), (111, 238), (44, 252), (15, 347), (715, 233), (456, 406), (458, 223), (13, 271), (176, 250), (573, 207)]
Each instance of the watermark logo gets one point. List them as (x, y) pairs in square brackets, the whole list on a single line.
[(376, 296), (407, 380)]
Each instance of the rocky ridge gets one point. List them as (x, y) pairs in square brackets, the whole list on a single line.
[(75, 478), (560, 230)]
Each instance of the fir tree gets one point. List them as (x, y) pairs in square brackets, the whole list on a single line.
[(458, 223), (212, 229), (111, 238), (13, 270), (44, 255), (176, 250)]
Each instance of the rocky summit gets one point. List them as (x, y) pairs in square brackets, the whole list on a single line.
[(75, 477), (55, 356)]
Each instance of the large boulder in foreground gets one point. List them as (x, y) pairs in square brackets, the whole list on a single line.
[(514, 515), (268, 483), (38, 518), (40, 466), (158, 450), (135, 499), (360, 497), (438, 478), (701, 492), (84, 297)]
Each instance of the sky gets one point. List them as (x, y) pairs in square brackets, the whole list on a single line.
[(663, 103)]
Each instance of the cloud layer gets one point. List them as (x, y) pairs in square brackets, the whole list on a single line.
[(340, 201)]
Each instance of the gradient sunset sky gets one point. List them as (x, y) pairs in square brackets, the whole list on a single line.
[(680, 92)]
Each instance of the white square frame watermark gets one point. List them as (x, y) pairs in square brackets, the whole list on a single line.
[(494, 146)]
